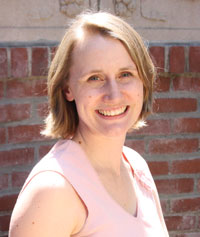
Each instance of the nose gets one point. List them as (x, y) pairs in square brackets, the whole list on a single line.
[(113, 92)]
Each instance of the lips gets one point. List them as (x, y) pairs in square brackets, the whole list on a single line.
[(113, 112)]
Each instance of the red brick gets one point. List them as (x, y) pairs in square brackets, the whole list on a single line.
[(42, 109), (177, 59), (186, 84), (164, 206), (3, 181), (198, 188), (22, 156), (24, 133), (194, 59), (137, 145), (25, 88), (186, 125), (43, 150), (158, 167), (185, 205), (180, 222), (169, 146), (3, 63), (162, 84), (157, 127), (2, 135), (19, 62), (14, 112), (53, 52), (158, 57), (39, 61), (18, 178), (7, 202), (4, 223), (1, 90), (186, 166), (177, 105), (175, 186)]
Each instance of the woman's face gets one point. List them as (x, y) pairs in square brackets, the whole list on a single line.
[(105, 85)]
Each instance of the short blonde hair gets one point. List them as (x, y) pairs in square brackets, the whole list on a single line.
[(62, 120)]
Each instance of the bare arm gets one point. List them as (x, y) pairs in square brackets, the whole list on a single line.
[(48, 207)]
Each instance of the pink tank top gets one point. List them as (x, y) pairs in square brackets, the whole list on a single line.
[(106, 218)]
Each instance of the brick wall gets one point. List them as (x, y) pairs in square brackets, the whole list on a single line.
[(170, 143)]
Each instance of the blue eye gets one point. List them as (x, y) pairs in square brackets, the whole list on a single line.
[(93, 78), (126, 74)]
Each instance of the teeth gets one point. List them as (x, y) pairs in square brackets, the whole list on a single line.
[(113, 112)]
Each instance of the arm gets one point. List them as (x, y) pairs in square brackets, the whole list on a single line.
[(48, 207)]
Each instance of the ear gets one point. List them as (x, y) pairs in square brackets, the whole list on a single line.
[(68, 93)]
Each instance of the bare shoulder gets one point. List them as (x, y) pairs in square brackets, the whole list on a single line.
[(49, 206)]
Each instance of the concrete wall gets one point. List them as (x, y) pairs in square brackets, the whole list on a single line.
[(155, 20)]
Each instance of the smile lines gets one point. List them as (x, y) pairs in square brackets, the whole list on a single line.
[(113, 112)]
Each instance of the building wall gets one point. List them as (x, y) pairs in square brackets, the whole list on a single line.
[(170, 142)]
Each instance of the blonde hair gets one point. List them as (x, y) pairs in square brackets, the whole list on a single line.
[(62, 120)]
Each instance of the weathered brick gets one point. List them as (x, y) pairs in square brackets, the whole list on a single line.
[(14, 112), (186, 84), (175, 186), (22, 156), (158, 167), (157, 127), (39, 61), (186, 166), (169, 146), (185, 205), (2, 135), (137, 145), (25, 88), (18, 178), (169, 105), (19, 62), (162, 84), (158, 56), (194, 59), (4, 223), (7, 202), (186, 125), (1, 90), (43, 150), (180, 222), (176, 59), (3, 63), (42, 109), (53, 52), (24, 133), (3, 181)]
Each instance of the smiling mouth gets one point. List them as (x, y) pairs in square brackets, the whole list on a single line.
[(113, 112)]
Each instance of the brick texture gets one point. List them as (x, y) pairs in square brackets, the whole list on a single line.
[(14, 112), (170, 142), (3, 63), (19, 62), (158, 57), (177, 59), (39, 61), (194, 59)]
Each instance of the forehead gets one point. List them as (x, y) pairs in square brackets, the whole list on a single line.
[(95, 48)]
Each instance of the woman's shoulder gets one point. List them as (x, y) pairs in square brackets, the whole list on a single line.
[(48, 198)]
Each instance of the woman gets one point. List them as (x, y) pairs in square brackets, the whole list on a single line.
[(100, 86)]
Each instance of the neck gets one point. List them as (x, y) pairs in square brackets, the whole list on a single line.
[(104, 153)]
